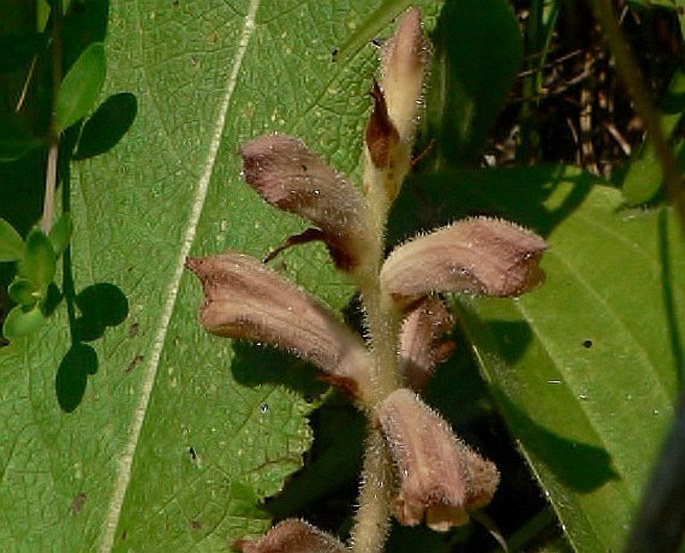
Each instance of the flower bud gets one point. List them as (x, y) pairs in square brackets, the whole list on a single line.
[(440, 477), (292, 536), (246, 300), (403, 65), (389, 134), (291, 177), (422, 345), (480, 255)]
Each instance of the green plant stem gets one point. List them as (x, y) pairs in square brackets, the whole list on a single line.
[(382, 322), (631, 76), (371, 524), (53, 134), (372, 519), (381, 316)]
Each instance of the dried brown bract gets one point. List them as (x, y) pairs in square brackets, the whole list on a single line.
[(397, 96)]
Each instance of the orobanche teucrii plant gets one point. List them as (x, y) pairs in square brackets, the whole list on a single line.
[(415, 468)]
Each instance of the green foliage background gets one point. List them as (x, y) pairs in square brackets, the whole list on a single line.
[(179, 435)]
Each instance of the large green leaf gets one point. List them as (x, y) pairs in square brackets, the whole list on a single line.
[(584, 368), (177, 434)]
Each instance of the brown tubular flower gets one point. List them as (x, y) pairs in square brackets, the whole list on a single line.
[(246, 300), (479, 255), (291, 177), (440, 477), (422, 345), (292, 536)]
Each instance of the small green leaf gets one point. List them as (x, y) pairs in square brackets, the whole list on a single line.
[(11, 244), (81, 86), (38, 265), (24, 292), (61, 234), (22, 321)]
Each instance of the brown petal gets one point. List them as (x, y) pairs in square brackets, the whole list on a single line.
[(403, 64), (441, 478), (291, 177), (422, 345), (479, 255), (246, 300), (292, 536)]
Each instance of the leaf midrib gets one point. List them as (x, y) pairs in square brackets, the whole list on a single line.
[(125, 464)]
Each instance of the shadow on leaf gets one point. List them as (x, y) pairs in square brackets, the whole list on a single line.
[(254, 365), (72, 375), (101, 305), (107, 126), (539, 198), (581, 467)]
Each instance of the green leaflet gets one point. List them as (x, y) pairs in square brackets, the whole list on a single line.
[(81, 86)]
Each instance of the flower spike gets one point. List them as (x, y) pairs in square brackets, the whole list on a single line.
[(246, 300)]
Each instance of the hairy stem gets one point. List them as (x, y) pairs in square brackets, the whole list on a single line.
[(381, 316), (53, 134), (382, 320), (372, 519)]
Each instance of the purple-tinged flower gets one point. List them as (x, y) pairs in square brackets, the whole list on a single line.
[(421, 340), (440, 478), (291, 177), (246, 300), (479, 255)]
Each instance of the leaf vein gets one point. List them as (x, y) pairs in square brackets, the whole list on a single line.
[(125, 467)]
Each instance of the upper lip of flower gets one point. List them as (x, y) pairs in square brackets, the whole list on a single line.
[(478, 255)]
